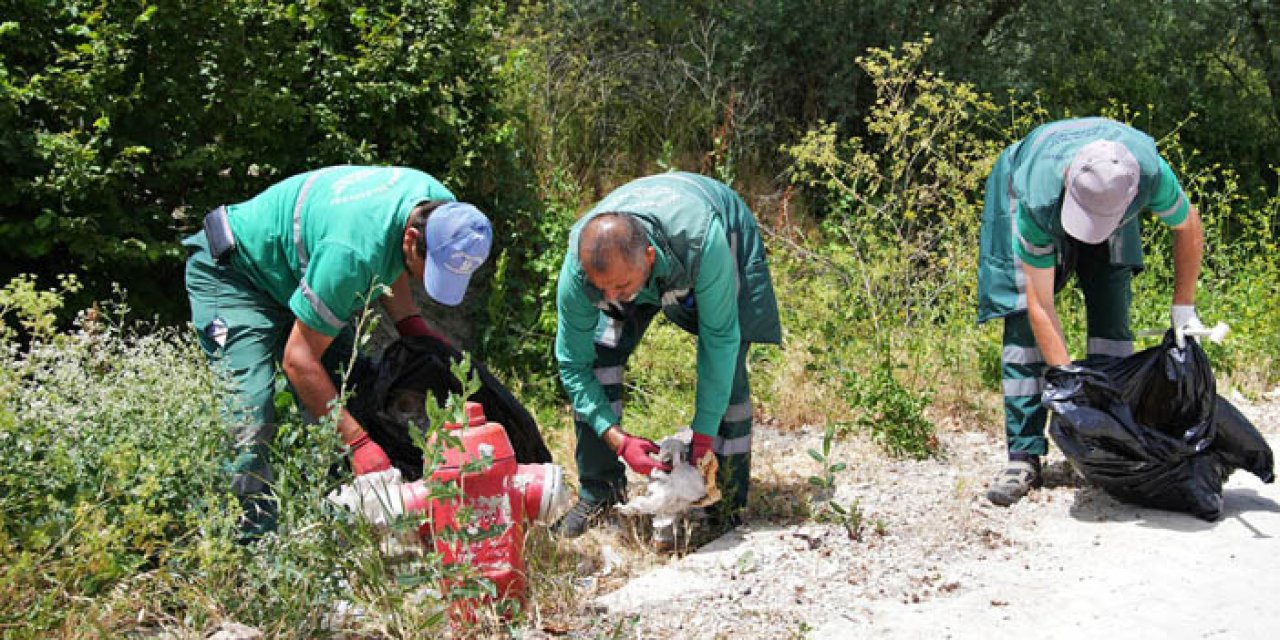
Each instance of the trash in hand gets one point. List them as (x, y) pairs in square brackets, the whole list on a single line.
[(670, 493)]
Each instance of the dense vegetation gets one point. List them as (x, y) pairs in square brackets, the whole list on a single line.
[(860, 132)]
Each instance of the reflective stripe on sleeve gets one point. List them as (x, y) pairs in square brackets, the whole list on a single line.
[(1174, 209), (320, 307), (1033, 249)]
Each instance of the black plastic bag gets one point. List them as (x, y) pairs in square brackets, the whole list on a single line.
[(389, 395), (1151, 430)]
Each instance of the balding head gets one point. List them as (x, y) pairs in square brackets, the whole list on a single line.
[(614, 251), (609, 237)]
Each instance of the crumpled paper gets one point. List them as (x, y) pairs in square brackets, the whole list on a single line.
[(374, 496), (669, 494)]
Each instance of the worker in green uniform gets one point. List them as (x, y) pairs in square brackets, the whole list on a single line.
[(1068, 199), (689, 246), (274, 280)]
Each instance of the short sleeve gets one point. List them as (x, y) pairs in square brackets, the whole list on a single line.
[(1033, 245), (336, 284), (1169, 202)]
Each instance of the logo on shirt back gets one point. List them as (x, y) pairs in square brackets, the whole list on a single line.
[(361, 191)]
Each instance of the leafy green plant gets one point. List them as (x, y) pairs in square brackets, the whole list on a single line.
[(113, 464), (123, 123), (825, 481), (824, 506), (35, 311), (892, 413), (900, 222)]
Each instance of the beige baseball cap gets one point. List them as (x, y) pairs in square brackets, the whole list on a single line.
[(1101, 183)]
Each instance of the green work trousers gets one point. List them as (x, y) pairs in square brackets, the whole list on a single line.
[(601, 474), (243, 332), (1107, 298)]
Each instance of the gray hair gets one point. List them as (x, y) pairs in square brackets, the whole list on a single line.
[(612, 236)]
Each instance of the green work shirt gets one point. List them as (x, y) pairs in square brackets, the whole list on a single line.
[(706, 243), (718, 334), (319, 242), (1039, 165)]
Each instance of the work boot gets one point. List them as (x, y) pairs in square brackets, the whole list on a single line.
[(1020, 475), (584, 514)]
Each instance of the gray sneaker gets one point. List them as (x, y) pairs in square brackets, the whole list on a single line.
[(1019, 477), (583, 515)]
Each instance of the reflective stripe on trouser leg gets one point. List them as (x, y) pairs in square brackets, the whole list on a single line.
[(601, 476), (1022, 366), (1107, 297), (733, 443)]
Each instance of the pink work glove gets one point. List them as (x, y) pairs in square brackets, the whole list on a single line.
[(636, 452), (415, 326), (367, 456)]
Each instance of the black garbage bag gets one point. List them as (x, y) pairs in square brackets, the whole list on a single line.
[(389, 396), (1239, 445), (1151, 430)]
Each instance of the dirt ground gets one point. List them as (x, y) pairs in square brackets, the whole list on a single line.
[(930, 557)]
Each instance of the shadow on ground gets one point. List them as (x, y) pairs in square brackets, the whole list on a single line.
[(1092, 504)]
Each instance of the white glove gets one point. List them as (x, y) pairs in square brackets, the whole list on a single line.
[(1184, 320)]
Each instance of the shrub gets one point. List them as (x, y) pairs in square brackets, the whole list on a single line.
[(900, 223), (114, 454)]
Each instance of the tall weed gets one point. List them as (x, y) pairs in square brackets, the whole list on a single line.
[(899, 222), (113, 452)]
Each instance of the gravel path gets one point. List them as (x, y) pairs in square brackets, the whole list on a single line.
[(933, 559)]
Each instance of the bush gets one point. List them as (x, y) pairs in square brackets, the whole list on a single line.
[(900, 222), (116, 506), (114, 454)]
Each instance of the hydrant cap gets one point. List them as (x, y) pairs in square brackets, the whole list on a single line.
[(475, 414)]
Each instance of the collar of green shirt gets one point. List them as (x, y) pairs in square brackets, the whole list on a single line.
[(651, 292)]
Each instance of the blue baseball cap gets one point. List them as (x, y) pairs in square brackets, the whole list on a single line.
[(458, 240)]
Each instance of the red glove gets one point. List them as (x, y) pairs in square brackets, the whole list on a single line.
[(636, 452), (415, 326), (700, 448), (367, 456)]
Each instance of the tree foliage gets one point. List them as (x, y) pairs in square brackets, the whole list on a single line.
[(121, 123)]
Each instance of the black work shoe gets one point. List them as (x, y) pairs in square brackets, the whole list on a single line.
[(1019, 476), (584, 514)]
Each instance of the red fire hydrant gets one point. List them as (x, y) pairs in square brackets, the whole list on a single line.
[(502, 498)]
